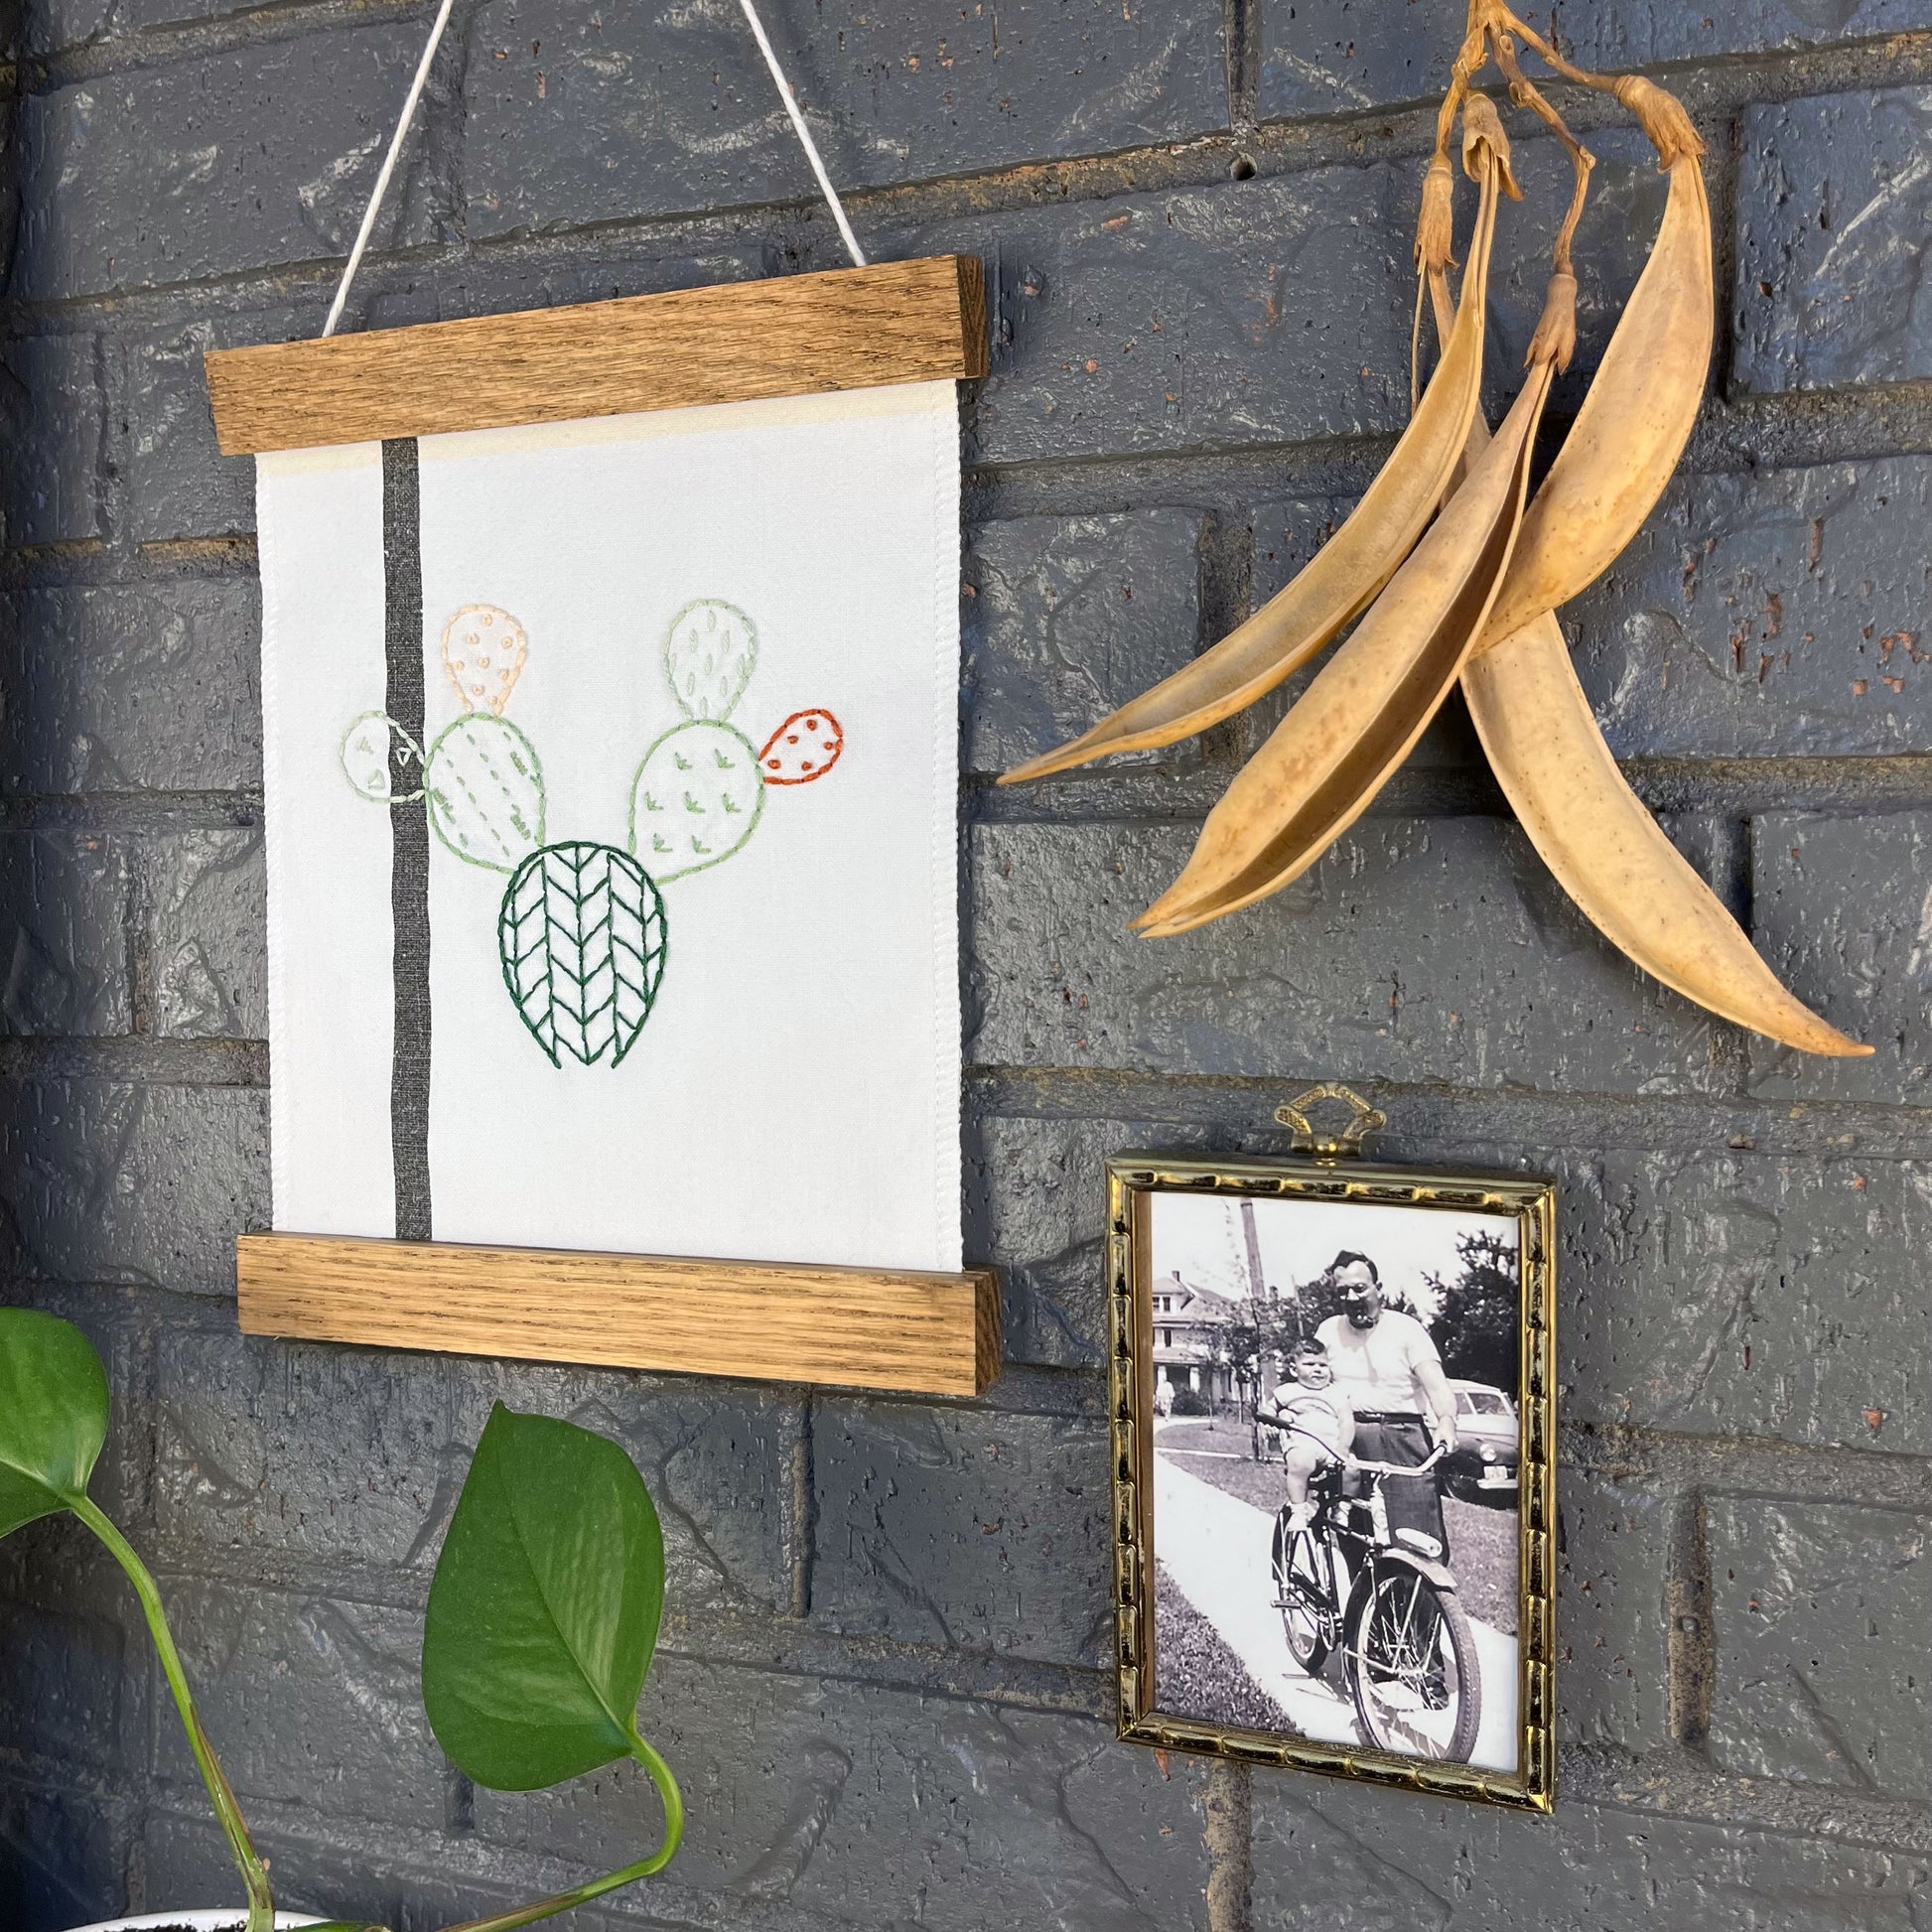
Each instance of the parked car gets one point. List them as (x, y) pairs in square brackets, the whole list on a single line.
[(1482, 1469)]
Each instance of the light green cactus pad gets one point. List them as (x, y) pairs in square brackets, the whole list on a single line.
[(583, 939), (709, 652), (369, 762), (696, 798), (486, 792)]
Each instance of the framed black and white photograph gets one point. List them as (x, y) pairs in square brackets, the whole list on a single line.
[(1332, 1393)]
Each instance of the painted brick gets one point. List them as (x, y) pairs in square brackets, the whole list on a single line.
[(1744, 1295), (963, 1529), (1326, 56), (207, 900), (234, 162), (1414, 950), (1326, 1853), (1065, 618), (1821, 1616), (1841, 911), (309, 1700), (1831, 209), (578, 112), (1765, 613), (51, 405), (1614, 1671), (132, 687), (878, 1807), (62, 1679), (338, 1458), (64, 1856), (105, 1182), (176, 482), (64, 936)]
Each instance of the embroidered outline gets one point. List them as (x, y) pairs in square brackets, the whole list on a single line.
[(700, 769), (810, 770), (558, 965), (504, 672), (712, 686), (500, 816)]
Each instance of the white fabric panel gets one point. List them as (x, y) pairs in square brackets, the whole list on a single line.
[(794, 1094), (330, 1018)]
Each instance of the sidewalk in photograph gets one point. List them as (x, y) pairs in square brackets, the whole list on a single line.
[(1202, 1533)]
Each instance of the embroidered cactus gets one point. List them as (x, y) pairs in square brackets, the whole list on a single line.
[(486, 792), (483, 650), (696, 798), (709, 653), (805, 747), (377, 756), (583, 937), (581, 927)]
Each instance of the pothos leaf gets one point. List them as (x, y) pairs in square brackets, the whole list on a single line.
[(544, 1609), (582, 937), (52, 1415)]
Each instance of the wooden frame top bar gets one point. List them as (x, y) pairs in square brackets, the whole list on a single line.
[(797, 335)]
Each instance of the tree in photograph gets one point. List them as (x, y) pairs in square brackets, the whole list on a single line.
[(1476, 1312)]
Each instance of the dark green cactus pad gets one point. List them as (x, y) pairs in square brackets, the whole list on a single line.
[(583, 939)]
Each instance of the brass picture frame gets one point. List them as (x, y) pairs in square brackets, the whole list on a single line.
[(1330, 1172)]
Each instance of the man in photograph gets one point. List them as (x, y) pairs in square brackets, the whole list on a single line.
[(1387, 1365)]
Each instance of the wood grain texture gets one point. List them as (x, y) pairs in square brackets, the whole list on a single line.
[(799, 335), (772, 1321)]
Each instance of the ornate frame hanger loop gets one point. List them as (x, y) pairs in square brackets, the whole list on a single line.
[(1363, 1119)]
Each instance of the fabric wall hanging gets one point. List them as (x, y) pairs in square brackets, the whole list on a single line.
[(610, 694)]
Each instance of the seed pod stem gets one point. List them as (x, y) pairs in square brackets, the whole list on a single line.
[(1555, 339)]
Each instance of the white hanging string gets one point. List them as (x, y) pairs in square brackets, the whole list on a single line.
[(408, 114), (804, 134), (388, 168)]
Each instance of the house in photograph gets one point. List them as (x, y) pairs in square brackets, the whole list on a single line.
[(1192, 1340)]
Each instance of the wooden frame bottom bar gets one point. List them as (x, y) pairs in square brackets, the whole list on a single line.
[(892, 1328)]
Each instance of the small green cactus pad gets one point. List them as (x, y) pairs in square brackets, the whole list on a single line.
[(582, 938), (486, 792), (376, 753), (696, 798), (709, 652)]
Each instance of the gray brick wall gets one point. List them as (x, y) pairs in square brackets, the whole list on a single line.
[(882, 1674)]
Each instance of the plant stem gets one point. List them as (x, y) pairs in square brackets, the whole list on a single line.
[(562, 1901), (254, 1874)]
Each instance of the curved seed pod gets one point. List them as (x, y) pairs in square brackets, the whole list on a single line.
[(1351, 728), (1342, 578), (1607, 851), (1627, 437)]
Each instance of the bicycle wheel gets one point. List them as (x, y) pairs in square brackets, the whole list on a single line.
[(1302, 1594), (1413, 1668)]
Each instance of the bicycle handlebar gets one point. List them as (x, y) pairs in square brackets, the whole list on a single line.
[(1422, 1467)]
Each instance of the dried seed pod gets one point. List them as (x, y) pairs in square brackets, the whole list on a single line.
[(1345, 737), (1344, 576), (1436, 225), (1482, 128), (1642, 404), (1662, 116), (1555, 339), (1606, 850)]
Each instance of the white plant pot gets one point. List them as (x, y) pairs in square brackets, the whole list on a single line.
[(223, 1918)]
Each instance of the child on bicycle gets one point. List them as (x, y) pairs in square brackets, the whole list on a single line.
[(1317, 1419)]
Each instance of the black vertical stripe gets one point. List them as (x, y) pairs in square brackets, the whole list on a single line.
[(402, 586)]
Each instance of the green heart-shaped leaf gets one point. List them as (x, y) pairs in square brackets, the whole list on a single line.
[(545, 1605), (52, 1415)]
